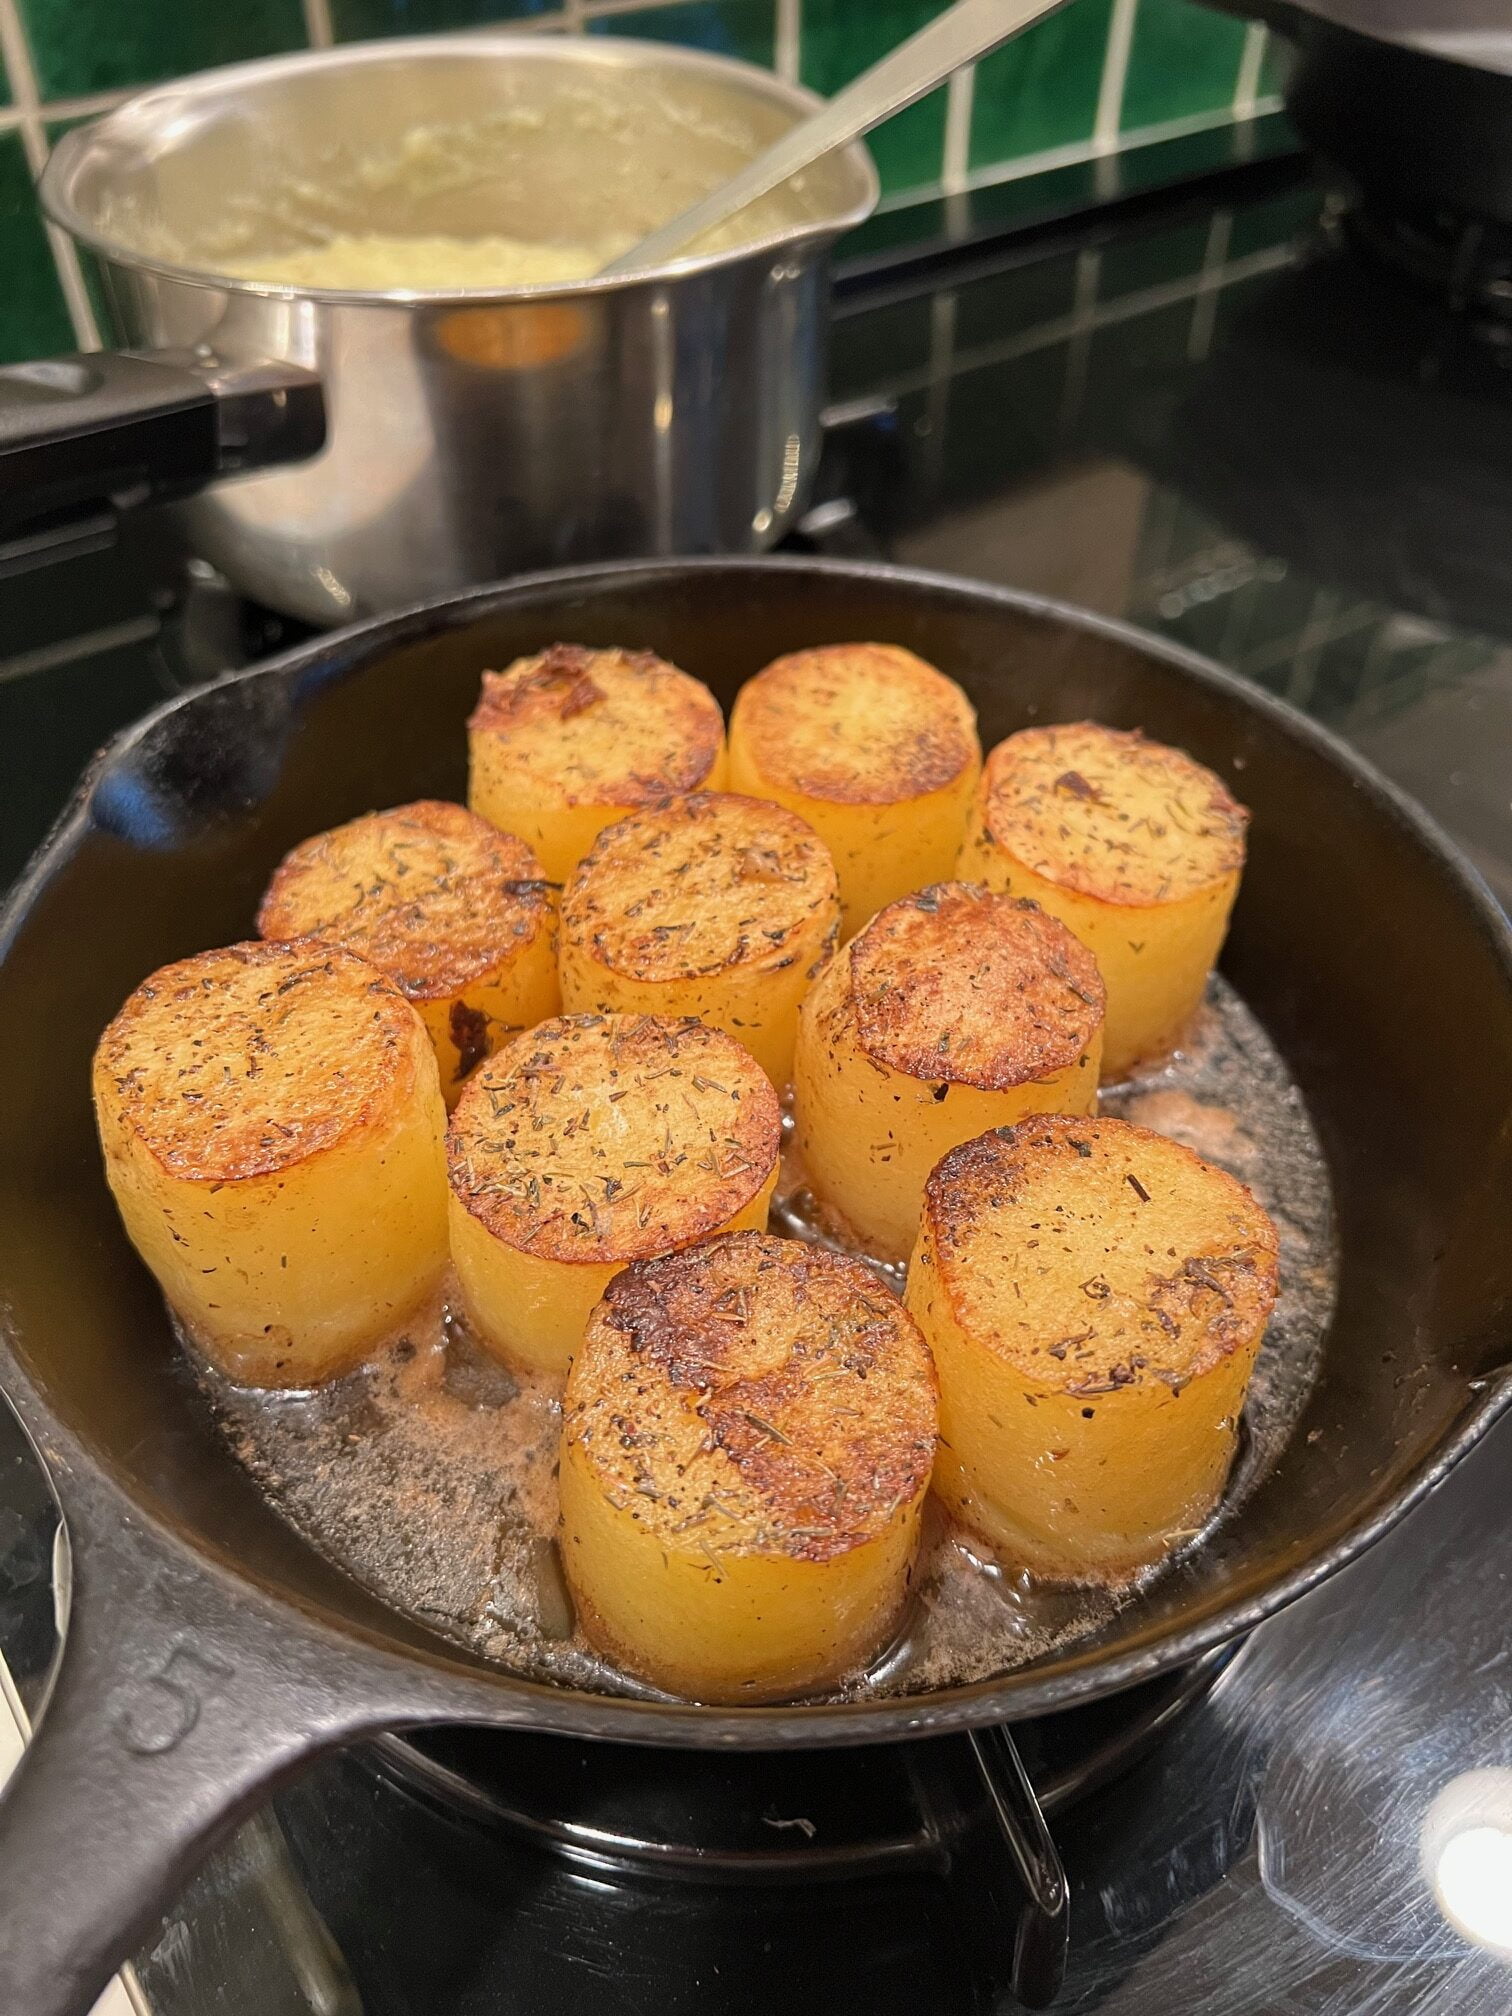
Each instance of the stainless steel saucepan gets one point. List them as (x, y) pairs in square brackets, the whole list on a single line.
[(442, 436)]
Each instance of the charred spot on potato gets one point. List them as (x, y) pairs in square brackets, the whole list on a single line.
[(469, 1033)]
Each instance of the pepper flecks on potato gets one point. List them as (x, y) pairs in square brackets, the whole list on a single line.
[(746, 1445), (954, 1010), (1094, 1295), (272, 1123), (562, 744), (1136, 847), (594, 1141), (876, 749), (456, 913), (714, 905)]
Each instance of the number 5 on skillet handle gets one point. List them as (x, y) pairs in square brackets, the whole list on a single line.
[(180, 1699)]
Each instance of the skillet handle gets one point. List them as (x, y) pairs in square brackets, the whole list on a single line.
[(178, 1702)]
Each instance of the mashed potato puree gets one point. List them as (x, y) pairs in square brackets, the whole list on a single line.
[(377, 261)]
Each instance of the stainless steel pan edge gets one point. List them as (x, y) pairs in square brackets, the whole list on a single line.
[(187, 1687)]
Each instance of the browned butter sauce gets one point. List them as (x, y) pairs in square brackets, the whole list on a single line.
[(430, 1475)]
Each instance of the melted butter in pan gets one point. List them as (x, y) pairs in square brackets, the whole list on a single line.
[(430, 1475)]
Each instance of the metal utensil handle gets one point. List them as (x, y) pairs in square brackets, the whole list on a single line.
[(176, 1705), (962, 33), (1039, 1952)]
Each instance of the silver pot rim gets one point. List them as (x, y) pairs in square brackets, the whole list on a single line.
[(152, 110)]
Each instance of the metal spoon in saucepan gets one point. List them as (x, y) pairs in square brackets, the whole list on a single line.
[(962, 33)]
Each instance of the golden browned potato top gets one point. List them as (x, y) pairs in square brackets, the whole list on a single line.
[(246, 1061), (958, 985), (859, 724), (699, 885), (430, 893), (755, 1395), (611, 1137), (1110, 814), (1093, 1255), (606, 727)]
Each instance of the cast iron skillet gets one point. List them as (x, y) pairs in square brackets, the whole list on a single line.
[(210, 1652)]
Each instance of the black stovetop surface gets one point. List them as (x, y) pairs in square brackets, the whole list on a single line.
[(1214, 416)]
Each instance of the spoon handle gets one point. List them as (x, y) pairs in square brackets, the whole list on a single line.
[(955, 38)]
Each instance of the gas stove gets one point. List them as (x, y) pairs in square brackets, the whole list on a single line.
[(1222, 412)]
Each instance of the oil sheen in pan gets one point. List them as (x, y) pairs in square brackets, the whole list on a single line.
[(430, 1475)]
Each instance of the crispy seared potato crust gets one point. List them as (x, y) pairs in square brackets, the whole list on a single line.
[(875, 749), (1094, 1295), (1136, 847), (593, 1141), (271, 1119), (953, 1011), (455, 912), (747, 1441), (713, 905), (562, 744)]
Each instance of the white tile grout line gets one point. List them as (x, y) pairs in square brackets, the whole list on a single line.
[(955, 164), (1210, 285), (319, 31), (23, 83), (942, 343), (1079, 326), (1251, 61), (788, 31), (1115, 75)]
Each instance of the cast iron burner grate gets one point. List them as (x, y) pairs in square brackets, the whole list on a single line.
[(969, 1807)]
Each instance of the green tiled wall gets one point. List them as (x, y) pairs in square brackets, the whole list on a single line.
[(839, 38), (1041, 90), (1099, 76), (82, 46), (1172, 73)]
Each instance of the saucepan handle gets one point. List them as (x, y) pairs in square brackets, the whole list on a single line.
[(179, 1700), (103, 431)]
